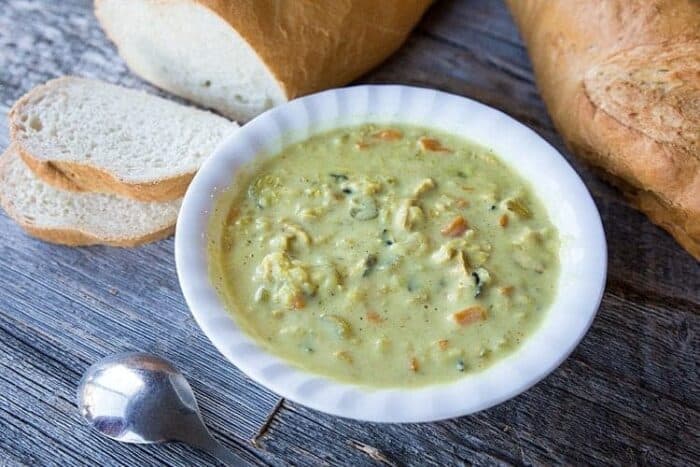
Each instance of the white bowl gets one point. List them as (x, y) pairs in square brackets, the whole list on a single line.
[(583, 253)]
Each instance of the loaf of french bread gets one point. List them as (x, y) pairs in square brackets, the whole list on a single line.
[(621, 80), (241, 57)]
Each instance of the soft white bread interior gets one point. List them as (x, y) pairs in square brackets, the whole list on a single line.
[(72, 218), (188, 50), (81, 134), (241, 57)]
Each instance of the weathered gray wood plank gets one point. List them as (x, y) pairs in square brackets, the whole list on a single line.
[(628, 395), (59, 313)]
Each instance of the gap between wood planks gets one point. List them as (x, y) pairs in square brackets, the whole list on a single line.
[(374, 453), (266, 424)]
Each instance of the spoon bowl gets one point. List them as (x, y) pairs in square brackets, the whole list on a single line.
[(142, 398)]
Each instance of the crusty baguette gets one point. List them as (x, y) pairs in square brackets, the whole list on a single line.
[(86, 135), (71, 218), (241, 57), (621, 80)]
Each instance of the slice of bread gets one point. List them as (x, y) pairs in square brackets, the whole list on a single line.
[(71, 218), (241, 57), (86, 135)]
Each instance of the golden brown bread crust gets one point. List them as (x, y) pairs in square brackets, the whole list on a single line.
[(313, 45), (71, 176), (621, 80), (72, 237), (77, 238)]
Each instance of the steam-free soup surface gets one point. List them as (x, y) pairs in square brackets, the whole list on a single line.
[(385, 255)]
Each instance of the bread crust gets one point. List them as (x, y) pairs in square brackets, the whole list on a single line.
[(72, 237), (621, 80), (77, 238), (310, 46), (76, 177), (83, 176)]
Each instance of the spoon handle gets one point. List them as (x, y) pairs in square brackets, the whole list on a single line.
[(206, 442)]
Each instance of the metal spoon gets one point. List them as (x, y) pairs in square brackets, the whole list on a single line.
[(141, 398)]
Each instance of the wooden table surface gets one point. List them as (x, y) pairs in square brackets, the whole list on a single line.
[(628, 395)]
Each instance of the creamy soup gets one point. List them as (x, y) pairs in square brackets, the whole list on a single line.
[(384, 255)]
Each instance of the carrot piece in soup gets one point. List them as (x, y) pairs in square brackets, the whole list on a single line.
[(456, 227), (298, 302), (373, 317), (468, 315), (507, 290), (432, 144), (389, 134)]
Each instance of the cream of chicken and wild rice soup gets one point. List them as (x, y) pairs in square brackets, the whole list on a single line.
[(392, 256)]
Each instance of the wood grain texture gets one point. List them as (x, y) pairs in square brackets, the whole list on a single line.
[(628, 395)]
